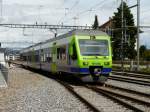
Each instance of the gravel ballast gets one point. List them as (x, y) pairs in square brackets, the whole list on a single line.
[(31, 92), (104, 104)]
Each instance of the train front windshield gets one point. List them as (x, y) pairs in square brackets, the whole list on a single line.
[(94, 47)]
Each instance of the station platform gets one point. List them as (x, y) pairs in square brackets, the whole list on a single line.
[(2, 81)]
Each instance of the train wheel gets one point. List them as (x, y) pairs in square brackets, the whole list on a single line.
[(102, 84)]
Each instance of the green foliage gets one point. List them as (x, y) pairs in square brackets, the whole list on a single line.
[(142, 50), (129, 47), (147, 55), (144, 53), (96, 24)]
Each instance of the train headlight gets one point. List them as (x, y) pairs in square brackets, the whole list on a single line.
[(106, 63), (85, 63)]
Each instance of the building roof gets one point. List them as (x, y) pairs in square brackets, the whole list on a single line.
[(107, 23)]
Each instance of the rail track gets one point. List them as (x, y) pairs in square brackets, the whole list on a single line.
[(137, 75), (66, 85), (83, 100), (116, 94), (128, 90), (123, 78), (120, 96)]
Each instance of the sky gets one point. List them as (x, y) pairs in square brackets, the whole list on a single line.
[(56, 12)]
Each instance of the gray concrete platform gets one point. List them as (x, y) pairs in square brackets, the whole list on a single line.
[(2, 81)]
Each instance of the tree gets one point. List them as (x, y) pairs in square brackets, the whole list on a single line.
[(129, 45), (147, 55), (96, 24), (142, 50)]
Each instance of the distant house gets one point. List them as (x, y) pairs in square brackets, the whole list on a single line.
[(107, 27)]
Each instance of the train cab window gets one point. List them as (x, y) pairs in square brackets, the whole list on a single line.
[(94, 47)]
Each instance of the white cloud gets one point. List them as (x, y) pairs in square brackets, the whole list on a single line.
[(35, 2), (52, 12)]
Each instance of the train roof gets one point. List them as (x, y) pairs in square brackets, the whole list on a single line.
[(73, 32), (83, 32), (78, 32)]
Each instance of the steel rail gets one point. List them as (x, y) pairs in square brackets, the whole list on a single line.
[(71, 90), (146, 83), (114, 96), (128, 90), (132, 78), (125, 96), (144, 76), (106, 93), (83, 100)]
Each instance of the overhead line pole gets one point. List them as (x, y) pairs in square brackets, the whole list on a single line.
[(138, 31), (122, 36)]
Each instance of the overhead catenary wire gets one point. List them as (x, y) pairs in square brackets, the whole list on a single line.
[(93, 8), (69, 11), (87, 10)]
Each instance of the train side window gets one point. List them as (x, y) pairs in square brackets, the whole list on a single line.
[(36, 58), (58, 53), (48, 58), (61, 53)]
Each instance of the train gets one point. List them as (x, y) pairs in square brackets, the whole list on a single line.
[(85, 54)]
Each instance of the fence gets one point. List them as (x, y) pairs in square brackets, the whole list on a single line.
[(132, 65)]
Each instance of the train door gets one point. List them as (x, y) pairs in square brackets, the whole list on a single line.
[(33, 58), (72, 54), (54, 57)]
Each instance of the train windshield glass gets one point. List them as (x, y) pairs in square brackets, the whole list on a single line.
[(94, 47)]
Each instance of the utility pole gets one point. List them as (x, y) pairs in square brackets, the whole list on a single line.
[(125, 31), (138, 31), (75, 19), (122, 26)]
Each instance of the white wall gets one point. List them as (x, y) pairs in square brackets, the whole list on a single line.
[(2, 60)]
